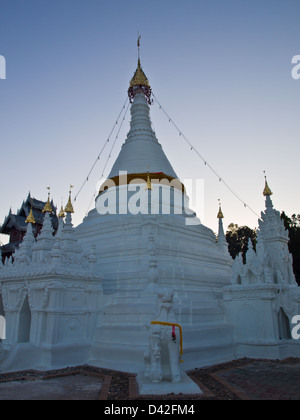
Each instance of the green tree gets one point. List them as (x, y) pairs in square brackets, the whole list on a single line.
[(238, 239)]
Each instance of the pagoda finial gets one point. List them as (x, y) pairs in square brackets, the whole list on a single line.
[(222, 243), (69, 207), (48, 207), (139, 45), (267, 190), (62, 214), (30, 217), (139, 83), (220, 214)]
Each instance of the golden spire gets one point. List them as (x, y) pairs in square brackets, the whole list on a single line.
[(48, 207), (69, 207), (139, 43), (267, 190), (139, 83), (30, 218), (139, 78), (62, 214), (220, 214)]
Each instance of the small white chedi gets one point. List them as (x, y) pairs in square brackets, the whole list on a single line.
[(264, 296), (86, 294), (50, 296)]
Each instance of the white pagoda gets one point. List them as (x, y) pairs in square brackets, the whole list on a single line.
[(140, 261)]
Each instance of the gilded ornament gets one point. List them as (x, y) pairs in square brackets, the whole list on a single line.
[(267, 190), (69, 207), (220, 214), (48, 207), (30, 218), (62, 214)]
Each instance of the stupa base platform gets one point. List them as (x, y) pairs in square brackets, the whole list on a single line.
[(186, 386)]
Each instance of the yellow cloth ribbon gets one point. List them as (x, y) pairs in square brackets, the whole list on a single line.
[(171, 325)]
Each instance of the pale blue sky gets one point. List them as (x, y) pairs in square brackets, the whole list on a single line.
[(221, 69)]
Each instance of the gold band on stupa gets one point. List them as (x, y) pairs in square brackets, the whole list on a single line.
[(147, 178)]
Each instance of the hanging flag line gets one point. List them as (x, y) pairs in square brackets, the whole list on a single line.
[(93, 198), (111, 150), (202, 158), (117, 136), (103, 148)]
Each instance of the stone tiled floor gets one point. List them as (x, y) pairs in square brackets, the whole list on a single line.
[(264, 380), (241, 379), (77, 387)]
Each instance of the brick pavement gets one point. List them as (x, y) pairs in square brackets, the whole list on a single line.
[(244, 379), (264, 380)]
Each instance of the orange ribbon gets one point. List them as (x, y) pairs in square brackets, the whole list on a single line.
[(171, 325)]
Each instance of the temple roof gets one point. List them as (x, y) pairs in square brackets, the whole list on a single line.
[(13, 220), (18, 220), (9, 248)]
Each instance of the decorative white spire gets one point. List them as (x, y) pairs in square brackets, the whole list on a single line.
[(141, 149), (24, 253), (222, 243), (42, 248), (267, 193)]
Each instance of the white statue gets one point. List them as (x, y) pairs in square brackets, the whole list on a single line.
[(163, 358)]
